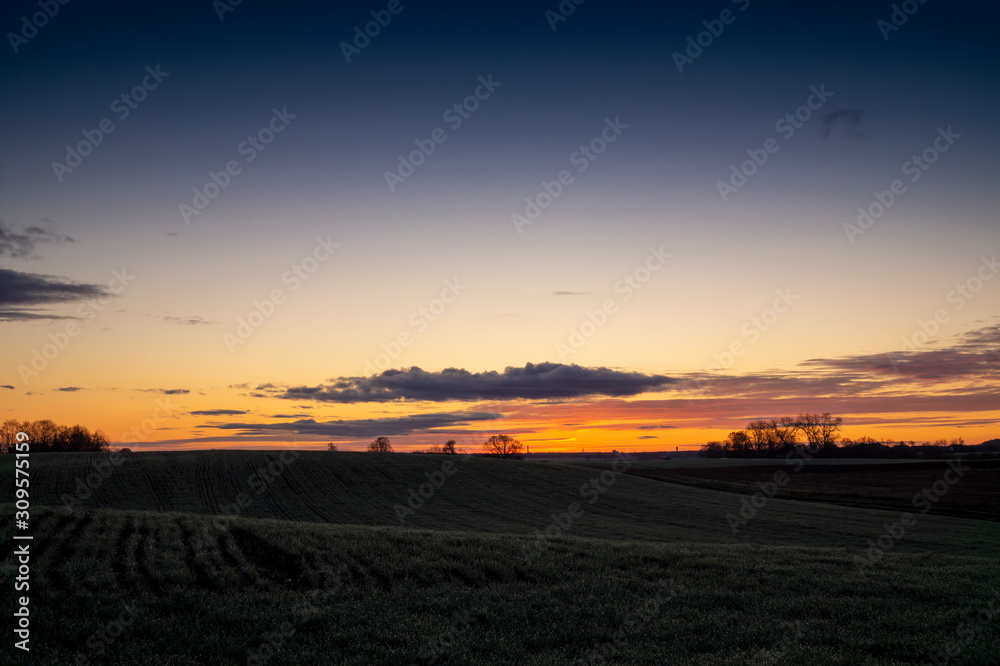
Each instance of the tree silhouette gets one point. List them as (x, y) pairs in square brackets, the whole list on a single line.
[(45, 435), (449, 447), (820, 429), (503, 446), (380, 445)]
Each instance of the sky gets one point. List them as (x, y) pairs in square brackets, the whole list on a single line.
[(590, 226)]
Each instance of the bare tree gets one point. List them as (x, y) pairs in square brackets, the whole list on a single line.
[(738, 442), (761, 437), (330, 446), (713, 450), (380, 445), (449, 447), (785, 429), (820, 429), (8, 435), (503, 446)]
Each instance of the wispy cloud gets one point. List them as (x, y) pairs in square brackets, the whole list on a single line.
[(363, 428), (975, 354), (19, 291), (176, 391), (219, 412), (185, 321), (847, 120), (70, 389), (23, 244)]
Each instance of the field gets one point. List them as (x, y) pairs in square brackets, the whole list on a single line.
[(313, 566), (885, 484)]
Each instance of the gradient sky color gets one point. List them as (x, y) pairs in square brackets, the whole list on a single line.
[(640, 259)]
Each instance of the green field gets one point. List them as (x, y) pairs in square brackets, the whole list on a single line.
[(317, 569)]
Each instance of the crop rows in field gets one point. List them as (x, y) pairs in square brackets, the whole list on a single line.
[(196, 591), (482, 495)]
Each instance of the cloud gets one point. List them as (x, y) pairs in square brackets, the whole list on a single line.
[(572, 293), (23, 244), (7, 386), (540, 381), (655, 427), (971, 355), (849, 120), (648, 437), (186, 321), (20, 290), (70, 389), (219, 412), (364, 428), (166, 391)]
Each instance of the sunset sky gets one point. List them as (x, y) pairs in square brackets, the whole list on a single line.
[(496, 218)]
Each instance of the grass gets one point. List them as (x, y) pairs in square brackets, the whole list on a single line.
[(856, 483), (483, 495), (387, 595), (316, 568)]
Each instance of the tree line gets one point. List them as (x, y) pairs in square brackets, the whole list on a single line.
[(777, 438), (45, 435), (499, 446)]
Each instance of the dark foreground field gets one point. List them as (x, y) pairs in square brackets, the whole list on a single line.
[(976, 494), (312, 566), (117, 587), (481, 495)]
